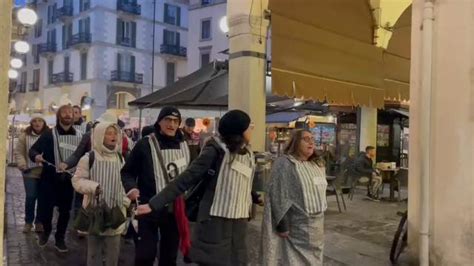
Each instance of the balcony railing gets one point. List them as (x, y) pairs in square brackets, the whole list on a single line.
[(34, 86), (21, 87), (47, 48), (127, 76), (131, 8), (173, 50), (80, 38), (64, 12), (125, 42), (63, 77)]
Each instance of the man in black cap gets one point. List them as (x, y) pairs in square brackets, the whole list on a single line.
[(191, 137), (154, 160)]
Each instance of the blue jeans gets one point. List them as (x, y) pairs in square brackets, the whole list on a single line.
[(31, 191)]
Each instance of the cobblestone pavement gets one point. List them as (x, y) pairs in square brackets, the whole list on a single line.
[(360, 236)]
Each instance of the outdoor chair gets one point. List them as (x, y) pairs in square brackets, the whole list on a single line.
[(334, 189)]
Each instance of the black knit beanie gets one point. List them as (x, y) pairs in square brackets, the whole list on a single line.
[(234, 122), (168, 111)]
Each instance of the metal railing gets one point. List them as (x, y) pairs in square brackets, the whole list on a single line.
[(63, 77), (80, 38), (173, 50), (125, 42), (21, 87), (129, 7), (47, 48), (126, 76), (34, 86), (64, 12)]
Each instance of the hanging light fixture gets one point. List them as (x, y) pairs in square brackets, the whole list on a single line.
[(12, 74), (223, 24), (27, 16), (21, 47), (16, 63)]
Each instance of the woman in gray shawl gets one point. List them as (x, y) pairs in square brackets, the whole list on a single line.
[(293, 224)]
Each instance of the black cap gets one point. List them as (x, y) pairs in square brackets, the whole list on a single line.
[(190, 122), (234, 122), (168, 111)]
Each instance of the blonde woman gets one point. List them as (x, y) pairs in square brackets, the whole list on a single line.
[(293, 225), (32, 133)]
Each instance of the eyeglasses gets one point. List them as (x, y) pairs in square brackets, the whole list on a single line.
[(308, 139)]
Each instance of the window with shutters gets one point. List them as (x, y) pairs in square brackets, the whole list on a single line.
[(66, 64), (84, 5), (171, 38), (126, 33), (24, 79), (67, 35), (172, 15), (38, 28), (170, 73), (206, 30), (52, 13), (125, 68), (35, 53), (36, 80), (85, 25), (50, 71), (205, 58), (84, 66), (51, 38)]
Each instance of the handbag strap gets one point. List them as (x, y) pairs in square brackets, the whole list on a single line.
[(160, 157)]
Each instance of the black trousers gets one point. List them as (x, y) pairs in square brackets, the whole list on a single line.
[(220, 241), (56, 192), (147, 239)]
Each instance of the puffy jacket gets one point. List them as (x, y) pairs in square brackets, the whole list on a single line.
[(82, 182)]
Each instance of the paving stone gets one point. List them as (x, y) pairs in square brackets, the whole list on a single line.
[(360, 236)]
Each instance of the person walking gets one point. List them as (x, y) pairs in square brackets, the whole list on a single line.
[(146, 172), (79, 123), (191, 137), (226, 166), (30, 178), (293, 223), (55, 188), (98, 176)]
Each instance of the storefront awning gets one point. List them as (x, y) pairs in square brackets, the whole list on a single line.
[(401, 112), (397, 60), (187, 88), (205, 88), (284, 117), (323, 51)]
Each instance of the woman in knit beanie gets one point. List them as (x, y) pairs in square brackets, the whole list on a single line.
[(220, 181)]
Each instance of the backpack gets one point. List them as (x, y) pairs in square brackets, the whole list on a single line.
[(194, 195)]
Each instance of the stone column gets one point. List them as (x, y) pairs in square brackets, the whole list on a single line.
[(247, 62), (367, 127), (451, 131), (5, 28)]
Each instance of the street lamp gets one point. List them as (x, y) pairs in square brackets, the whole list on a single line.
[(21, 47), (12, 74), (223, 24), (16, 63), (27, 16)]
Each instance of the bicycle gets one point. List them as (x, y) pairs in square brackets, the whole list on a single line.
[(400, 239)]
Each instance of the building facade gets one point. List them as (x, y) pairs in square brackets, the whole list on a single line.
[(206, 41), (101, 49)]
